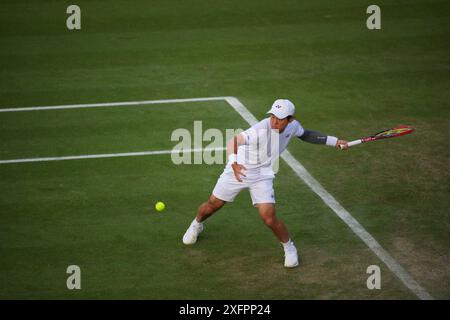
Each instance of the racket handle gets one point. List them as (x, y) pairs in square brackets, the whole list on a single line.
[(352, 143)]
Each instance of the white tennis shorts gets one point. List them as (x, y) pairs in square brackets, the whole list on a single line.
[(227, 188)]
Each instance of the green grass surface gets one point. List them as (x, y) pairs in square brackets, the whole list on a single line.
[(344, 79)]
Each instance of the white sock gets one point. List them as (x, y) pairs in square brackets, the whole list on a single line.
[(287, 244), (195, 222)]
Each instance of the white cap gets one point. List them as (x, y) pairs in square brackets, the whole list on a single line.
[(282, 108)]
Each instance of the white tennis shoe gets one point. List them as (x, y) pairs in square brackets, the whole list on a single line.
[(290, 255), (191, 235)]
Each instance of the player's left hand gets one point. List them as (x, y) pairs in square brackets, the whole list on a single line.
[(341, 145)]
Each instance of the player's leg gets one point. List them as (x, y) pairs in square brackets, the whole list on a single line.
[(208, 208), (267, 214), (263, 198), (226, 190), (205, 210)]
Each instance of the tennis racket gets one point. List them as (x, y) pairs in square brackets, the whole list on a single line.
[(385, 134)]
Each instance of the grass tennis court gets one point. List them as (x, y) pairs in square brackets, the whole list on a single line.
[(98, 213)]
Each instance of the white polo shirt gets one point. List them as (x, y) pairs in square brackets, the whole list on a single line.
[(263, 147)]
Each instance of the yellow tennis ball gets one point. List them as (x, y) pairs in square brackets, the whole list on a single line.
[(160, 206)]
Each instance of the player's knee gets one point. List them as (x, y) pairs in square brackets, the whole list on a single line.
[(270, 221), (215, 204)]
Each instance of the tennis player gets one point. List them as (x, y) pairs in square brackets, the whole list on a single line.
[(251, 158)]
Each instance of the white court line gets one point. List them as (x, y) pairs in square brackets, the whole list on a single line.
[(298, 168), (110, 155), (111, 104)]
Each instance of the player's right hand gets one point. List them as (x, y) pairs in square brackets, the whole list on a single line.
[(342, 145), (238, 170)]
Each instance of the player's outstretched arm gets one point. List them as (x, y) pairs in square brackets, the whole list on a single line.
[(315, 137)]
